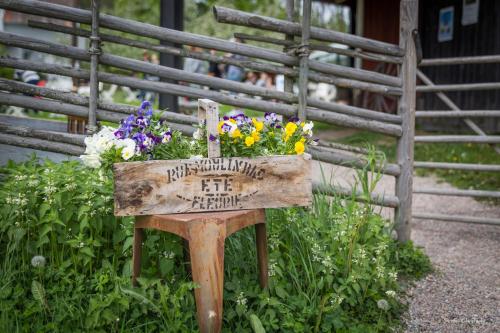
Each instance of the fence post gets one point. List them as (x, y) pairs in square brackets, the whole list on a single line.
[(288, 80), (303, 53), (95, 51), (408, 21)]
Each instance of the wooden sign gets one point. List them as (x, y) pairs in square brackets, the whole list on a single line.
[(212, 184)]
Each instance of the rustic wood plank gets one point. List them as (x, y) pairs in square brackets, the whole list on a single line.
[(408, 22), (208, 111), (457, 218), (217, 184)]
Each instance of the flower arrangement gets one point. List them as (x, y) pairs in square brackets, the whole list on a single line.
[(144, 136), (240, 135), (140, 137)]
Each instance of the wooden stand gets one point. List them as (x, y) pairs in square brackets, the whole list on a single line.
[(205, 234)]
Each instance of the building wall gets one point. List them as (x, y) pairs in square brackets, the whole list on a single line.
[(482, 38)]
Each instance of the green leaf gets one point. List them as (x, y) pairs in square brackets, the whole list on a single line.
[(281, 292), (43, 209), (166, 266), (88, 251), (128, 244), (38, 293), (256, 324), (45, 230)]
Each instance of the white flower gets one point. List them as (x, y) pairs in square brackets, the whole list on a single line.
[(91, 160), (308, 128), (38, 261), (394, 235), (390, 293), (241, 299), (128, 152), (393, 275), (198, 134), (382, 304)]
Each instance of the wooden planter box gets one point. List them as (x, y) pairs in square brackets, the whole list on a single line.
[(214, 183)]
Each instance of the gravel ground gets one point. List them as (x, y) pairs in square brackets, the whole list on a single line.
[(464, 293)]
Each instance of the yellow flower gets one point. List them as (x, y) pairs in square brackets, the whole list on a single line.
[(236, 134), (287, 137), (302, 124), (290, 128), (302, 139), (219, 127), (255, 136), (232, 121), (259, 125), (299, 148), (249, 141)]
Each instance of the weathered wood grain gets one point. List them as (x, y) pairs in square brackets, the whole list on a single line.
[(217, 184), (208, 111), (408, 22)]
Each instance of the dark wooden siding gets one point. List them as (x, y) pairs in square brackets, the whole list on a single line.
[(482, 38)]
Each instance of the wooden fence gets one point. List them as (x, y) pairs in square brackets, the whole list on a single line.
[(465, 115), (293, 62)]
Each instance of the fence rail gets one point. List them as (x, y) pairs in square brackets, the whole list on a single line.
[(295, 64)]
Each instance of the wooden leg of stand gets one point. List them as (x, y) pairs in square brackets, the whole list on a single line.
[(136, 256), (261, 242), (206, 247)]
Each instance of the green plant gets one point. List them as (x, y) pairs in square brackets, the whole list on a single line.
[(329, 266)]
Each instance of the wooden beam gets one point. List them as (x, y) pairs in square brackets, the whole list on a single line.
[(458, 138), (376, 199), (458, 193), (38, 144), (457, 218), (489, 59), (232, 16), (26, 131), (303, 54), (457, 114), (94, 52), (338, 157), (408, 22), (459, 87), (457, 166)]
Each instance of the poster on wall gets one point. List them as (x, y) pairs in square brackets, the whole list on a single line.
[(445, 30), (470, 12)]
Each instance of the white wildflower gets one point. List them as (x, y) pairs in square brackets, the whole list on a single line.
[(394, 235), (241, 299), (382, 304), (390, 293), (198, 134), (336, 300), (38, 261), (393, 275)]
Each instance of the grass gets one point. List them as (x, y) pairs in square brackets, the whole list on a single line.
[(330, 265)]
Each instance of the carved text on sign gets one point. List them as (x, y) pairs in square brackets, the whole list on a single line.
[(214, 164), (211, 184)]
